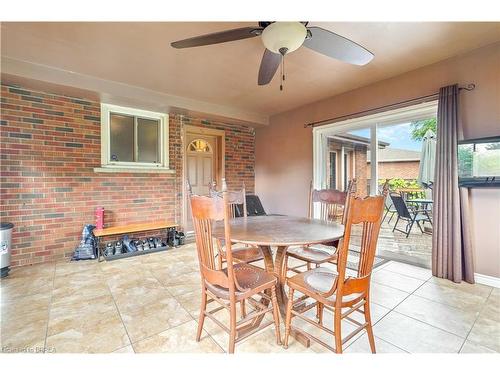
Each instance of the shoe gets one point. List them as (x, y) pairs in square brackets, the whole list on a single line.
[(128, 244), (145, 244), (159, 242), (138, 245), (151, 242), (171, 237), (118, 247), (109, 249), (180, 238)]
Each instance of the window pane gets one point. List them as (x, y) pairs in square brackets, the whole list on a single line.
[(333, 170), (122, 137), (199, 145), (147, 140)]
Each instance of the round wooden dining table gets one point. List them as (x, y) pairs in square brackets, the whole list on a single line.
[(280, 232)]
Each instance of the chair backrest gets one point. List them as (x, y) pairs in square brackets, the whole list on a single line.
[(205, 212), (367, 213), (332, 203), (236, 198), (400, 205)]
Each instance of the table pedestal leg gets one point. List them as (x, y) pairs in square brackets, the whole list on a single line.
[(277, 267)]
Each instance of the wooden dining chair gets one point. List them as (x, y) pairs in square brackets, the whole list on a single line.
[(332, 207), (234, 283), (334, 290), (237, 208)]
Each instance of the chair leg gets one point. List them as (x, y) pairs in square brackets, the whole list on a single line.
[(392, 215), (288, 320), (243, 308), (409, 229), (395, 225), (420, 227), (337, 324), (219, 261), (385, 215), (319, 312), (428, 217), (369, 330), (203, 309), (284, 271), (232, 327), (276, 315)]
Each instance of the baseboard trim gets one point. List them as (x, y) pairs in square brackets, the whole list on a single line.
[(487, 280)]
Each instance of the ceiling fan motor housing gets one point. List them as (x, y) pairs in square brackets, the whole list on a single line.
[(284, 37)]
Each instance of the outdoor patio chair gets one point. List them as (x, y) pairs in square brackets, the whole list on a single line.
[(334, 290), (389, 209), (411, 216), (234, 283)]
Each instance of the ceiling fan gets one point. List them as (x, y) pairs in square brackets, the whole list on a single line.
[(281, 38)]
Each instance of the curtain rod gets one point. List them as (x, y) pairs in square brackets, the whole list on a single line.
[(419, 100)]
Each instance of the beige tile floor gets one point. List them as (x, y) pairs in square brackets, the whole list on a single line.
[(150, 303)]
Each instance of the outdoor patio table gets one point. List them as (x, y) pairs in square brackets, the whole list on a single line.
[(280, 232), (420, 200), (423, 202)]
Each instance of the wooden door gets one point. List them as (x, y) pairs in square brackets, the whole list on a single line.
[(200, 165)]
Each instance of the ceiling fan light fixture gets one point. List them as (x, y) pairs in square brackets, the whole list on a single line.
[(284, 37)]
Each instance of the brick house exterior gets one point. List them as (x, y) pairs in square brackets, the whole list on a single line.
[(392, 162), (397, 163), (50, 145), (407, 170)]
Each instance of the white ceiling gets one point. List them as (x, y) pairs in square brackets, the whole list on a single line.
[(139, 54)]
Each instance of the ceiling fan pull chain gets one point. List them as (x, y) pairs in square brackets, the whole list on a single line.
[(283, 67), (281, 80)]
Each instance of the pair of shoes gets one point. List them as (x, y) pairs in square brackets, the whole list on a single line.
[(158, 242), (113, 248), (129, 244)]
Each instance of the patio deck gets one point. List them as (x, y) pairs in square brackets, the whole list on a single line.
[(416, 249)]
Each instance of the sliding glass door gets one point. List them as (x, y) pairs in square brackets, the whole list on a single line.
[(374, 149)]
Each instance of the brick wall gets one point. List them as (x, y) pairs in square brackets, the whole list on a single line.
[(407, 170), (50, 145), (362, 171)]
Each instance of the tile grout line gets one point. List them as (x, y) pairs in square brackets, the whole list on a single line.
[(418, 320), (119, 314), (442, 303), (50, 308), (447, 305), (475, 320), (171, 327), (163, 286)]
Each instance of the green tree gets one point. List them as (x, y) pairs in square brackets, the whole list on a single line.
[(419, 128)]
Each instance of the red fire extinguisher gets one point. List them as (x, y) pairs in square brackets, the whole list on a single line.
[(99, 217)]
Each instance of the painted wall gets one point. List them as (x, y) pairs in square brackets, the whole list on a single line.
[(284, 149)]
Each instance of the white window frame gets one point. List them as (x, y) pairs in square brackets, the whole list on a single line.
[(106, 162), (386, 118)]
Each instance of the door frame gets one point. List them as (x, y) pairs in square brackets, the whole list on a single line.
[(385, 118), (219, 155)]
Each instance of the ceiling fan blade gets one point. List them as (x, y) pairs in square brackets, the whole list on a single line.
[(268, 66), (219, 37), (338, 47)]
